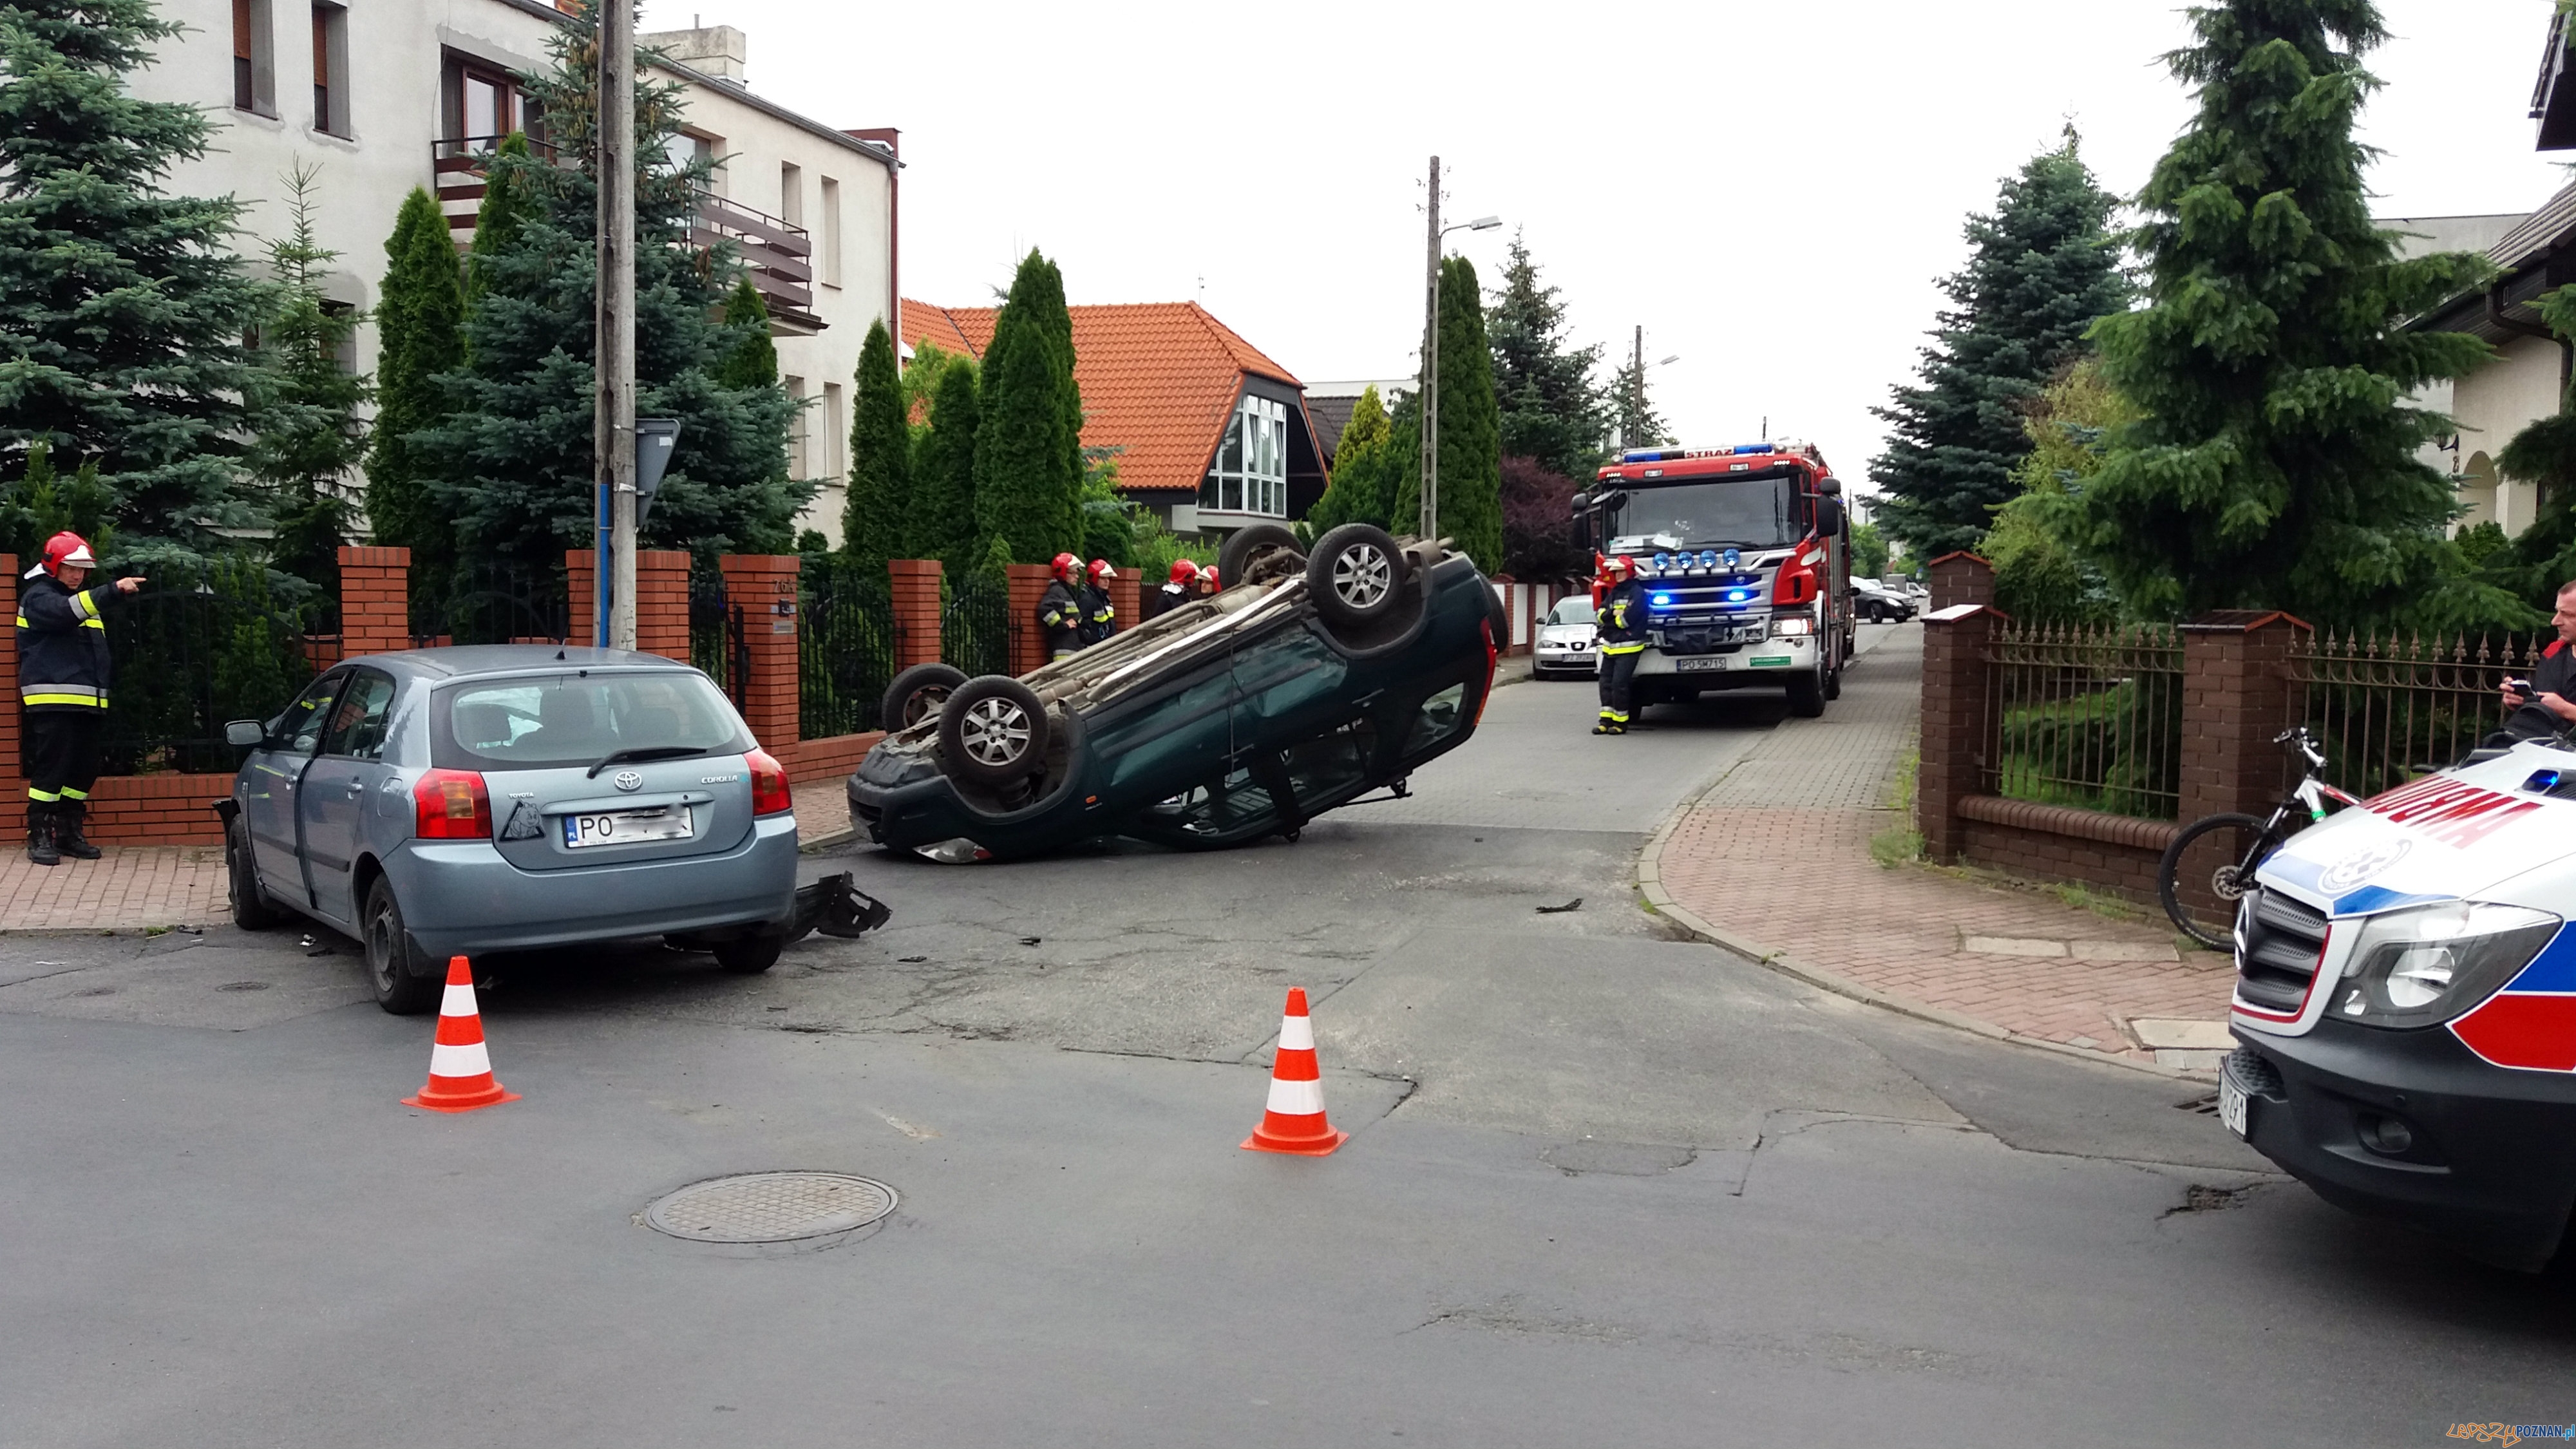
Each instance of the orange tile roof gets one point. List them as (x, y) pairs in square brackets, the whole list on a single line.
[(1158, 379)]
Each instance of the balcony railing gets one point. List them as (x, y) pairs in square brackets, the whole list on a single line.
[(778, 254)]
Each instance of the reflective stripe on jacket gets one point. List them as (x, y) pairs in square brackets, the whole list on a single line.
[(62, 645), (1621, 622), (1060, 617)]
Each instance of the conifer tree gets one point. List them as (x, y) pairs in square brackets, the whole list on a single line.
[(1551, 408), (1358, 490), (122, 320), (509, 204), (420, 333), (305, 403), (1633, 419), (877, 509), (754, 359), (2273, 464), (1028, 452), (942, 522), (2041, 269), (1470, 498)]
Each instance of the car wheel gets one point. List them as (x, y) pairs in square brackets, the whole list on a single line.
[(915, 693), (1807, 692), (252, 910), (748, 955), (1355, 575), (1247, 547), (993, 731), (390, 957)]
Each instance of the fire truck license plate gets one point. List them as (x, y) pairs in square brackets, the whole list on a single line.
[(2231, 1105), (1699, 662)]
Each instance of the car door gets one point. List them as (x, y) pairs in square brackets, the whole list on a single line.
[(331, 801), (273, 776)]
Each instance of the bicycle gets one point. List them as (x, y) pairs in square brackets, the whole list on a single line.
[(2231, 858)]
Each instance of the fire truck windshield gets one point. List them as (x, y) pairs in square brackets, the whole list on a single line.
[(1745, 512)]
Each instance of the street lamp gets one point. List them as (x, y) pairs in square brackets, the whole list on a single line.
[(1431, 355)]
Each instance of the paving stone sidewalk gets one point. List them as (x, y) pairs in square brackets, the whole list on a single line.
[(1774, 859), (141, 887)]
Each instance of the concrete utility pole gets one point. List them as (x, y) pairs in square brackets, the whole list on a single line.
[(613, 431), (1637, 379), (1431, 368)]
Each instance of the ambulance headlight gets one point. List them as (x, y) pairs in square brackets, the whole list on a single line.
[(2425, 966)]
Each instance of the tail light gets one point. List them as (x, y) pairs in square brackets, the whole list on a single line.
[(1487, 627), (451, 805), (769, 792), (1797, 582)]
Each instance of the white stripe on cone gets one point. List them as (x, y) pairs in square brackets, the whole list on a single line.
[(458, 1001), (1297, 1033), (470, 1060), (1296, 1099)]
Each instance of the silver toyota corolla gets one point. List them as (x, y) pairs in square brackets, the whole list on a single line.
[(448, 802)]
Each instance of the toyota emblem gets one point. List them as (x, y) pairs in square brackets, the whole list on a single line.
[(629, 780)]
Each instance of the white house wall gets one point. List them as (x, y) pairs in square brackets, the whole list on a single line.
[(2491, 405), (395, 61)]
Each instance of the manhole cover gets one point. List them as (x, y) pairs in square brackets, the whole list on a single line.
[(770, 1207)]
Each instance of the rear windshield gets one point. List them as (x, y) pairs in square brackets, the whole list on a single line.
[(1574, 610), (580, 719)]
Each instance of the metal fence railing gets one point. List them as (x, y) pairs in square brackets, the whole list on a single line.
[(2089, 717), (493, 603), (975, 630), (716, 642), (844, 648), (219, 639), (2388, 709)]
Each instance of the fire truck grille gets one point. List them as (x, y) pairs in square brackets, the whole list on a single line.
[(2278, 943)]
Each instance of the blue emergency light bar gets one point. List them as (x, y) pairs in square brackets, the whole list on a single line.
[(1741, 448)]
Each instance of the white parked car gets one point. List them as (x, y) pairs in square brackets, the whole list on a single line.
[(1565, 641)]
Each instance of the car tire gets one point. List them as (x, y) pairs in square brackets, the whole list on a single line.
[(1246, 547), (1807, 693), (748, 955), (915, 693), (390, 957), (993, 731), (1356, 576), (252, 909)]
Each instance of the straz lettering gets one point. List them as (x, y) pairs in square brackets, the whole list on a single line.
[(2448, 812)]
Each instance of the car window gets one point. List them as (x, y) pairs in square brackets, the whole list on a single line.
[(1321, 767), (298, 731), (1443, 715), (1225, 804), (581, 718), (359, 721), (1282, 673), (1576, 609)]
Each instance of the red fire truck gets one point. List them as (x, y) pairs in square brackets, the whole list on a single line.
[(1746, 555)]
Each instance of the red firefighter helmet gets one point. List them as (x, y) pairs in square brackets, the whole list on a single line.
[(1184, 570), (1067, 567), (1617, 567), (1102, 569), (63, 548), (1209, 574)]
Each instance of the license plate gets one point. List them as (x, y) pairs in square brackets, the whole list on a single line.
[(1782, 662), (628, 827), (1700, 662), (2231, 1105)]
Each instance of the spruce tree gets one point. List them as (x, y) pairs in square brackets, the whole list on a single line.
[(122, 322), (515, 447), (1551, 408), (1357, 491), (2041, 269), (1470, 499), (942, 522), (1028, 452), (877, 508), (2273, 464), (305, 403), (420, 333)]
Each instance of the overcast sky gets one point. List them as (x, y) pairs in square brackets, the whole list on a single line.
[(1771, 189)]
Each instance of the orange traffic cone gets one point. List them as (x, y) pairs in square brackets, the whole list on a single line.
[(460, 1071), (1295, 1122)]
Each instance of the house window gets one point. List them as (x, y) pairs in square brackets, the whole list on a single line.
[(791, 194), (1250, 474), (254, 59), (331, 70), (689, 149), (835, 433), (796, 430), (481, 106), (831, 232)]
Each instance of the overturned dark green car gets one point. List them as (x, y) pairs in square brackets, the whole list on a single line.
[(1307, 683)]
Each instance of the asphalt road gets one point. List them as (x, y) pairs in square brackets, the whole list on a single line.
[(1604, 1187)]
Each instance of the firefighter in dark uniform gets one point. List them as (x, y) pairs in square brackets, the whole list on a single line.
[(1099, 618), (1174, 593), (62, 682), (1620, 630), (1060, 608)]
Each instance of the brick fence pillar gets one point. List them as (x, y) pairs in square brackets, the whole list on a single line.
[(580, 568), (375, 600), (662, 602), (2236, 695), (1028, 646), (916, 610), (1125, 596), (1959, 578), (1958, 723), (763, 587), (9, 673)]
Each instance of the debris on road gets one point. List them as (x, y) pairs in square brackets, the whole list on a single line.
[(1572, 905), (836, 906), (1029, 940), (911, 959)]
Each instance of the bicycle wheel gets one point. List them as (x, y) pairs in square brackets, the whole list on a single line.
[(2206, 871)]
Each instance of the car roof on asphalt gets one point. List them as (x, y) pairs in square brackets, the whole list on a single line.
[(460, 660)]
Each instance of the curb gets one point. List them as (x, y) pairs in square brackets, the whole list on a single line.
[(1650, 885)]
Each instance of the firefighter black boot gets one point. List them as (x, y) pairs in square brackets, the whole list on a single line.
[(40, 834), (67, 831)]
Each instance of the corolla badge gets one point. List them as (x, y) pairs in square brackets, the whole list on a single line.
[(628, 780), (2361, 865)]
